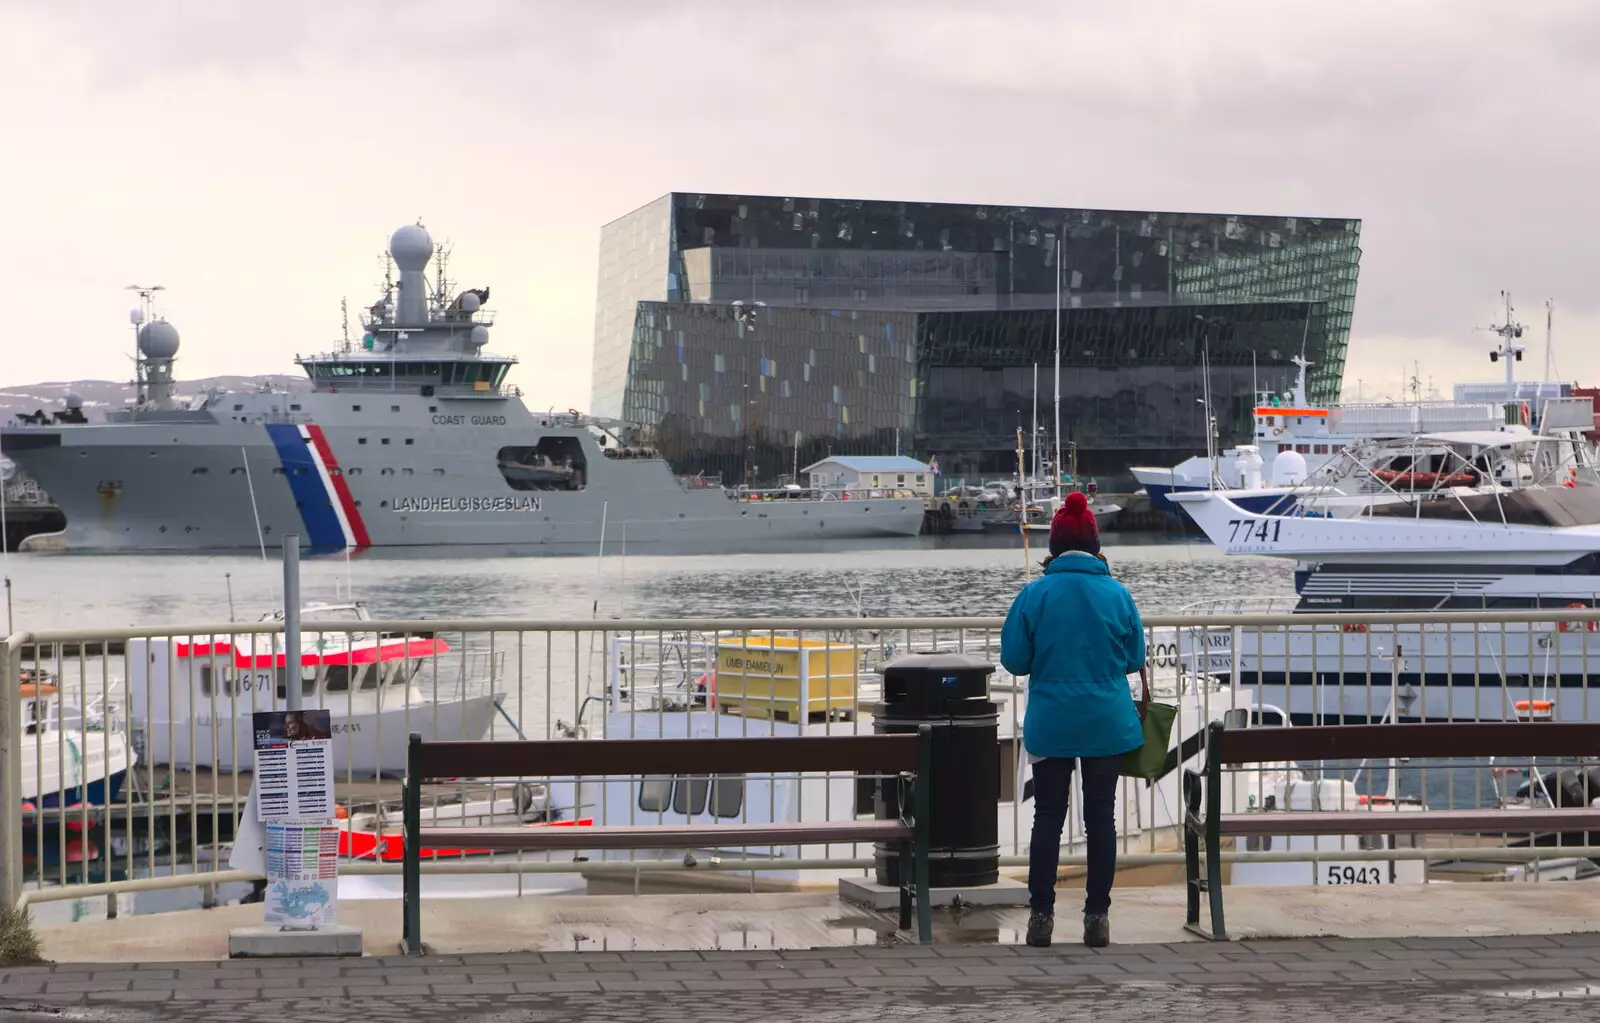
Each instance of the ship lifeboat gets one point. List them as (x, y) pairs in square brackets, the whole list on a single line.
[(1534, 710), (1413, 480)]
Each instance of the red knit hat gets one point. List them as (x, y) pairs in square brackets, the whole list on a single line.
[(1073, 528)]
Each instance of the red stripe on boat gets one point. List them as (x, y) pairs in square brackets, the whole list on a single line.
[(341, 489)]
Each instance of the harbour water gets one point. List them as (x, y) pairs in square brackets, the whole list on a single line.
[(920, 576)]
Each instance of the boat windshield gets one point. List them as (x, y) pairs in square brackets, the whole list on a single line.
[(1554, 506)]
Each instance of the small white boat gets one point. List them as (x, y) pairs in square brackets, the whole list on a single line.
[(193, 696), (970, 509), (67, 758)]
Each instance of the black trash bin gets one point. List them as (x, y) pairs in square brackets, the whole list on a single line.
[(949, 692)]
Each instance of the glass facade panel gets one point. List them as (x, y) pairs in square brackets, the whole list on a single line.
[(727, 324)]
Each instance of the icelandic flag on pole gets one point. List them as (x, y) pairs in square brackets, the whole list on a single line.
[(933, 466)]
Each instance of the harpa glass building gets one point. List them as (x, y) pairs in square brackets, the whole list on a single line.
[(753, 333)]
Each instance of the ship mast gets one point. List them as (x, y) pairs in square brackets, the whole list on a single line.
[(146, 313), (1055, 469), (1508, 351)]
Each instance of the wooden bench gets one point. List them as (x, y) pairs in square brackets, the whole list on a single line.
[(905, 757), (1241, 746)]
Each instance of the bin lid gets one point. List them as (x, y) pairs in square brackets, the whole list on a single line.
[(946, 663)]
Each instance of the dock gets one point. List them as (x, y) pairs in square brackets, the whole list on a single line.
[(1137, 515)]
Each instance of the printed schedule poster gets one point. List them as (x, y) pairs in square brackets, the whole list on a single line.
[(294, 765), (302, 876)]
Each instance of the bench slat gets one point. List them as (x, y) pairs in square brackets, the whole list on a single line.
[(1381, 742), (565, 758), (664, 836), (1422, 822)]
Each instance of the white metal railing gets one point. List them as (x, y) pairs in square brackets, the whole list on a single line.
[(162, 707)]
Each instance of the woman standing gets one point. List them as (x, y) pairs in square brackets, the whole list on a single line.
[(1076, 634)]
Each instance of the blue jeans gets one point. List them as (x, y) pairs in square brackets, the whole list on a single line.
[(1052, 785)]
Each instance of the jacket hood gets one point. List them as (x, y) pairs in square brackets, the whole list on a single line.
[(1072, 561)]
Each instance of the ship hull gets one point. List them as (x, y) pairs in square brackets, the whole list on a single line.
[(340, 485)]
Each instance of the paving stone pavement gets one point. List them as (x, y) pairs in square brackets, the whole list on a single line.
[(1417, 980)]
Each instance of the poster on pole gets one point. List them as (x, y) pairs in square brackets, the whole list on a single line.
[(293, 765), (302, 876)]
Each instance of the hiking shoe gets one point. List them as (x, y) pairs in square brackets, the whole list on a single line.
[(1097, 931), (1039, 927)]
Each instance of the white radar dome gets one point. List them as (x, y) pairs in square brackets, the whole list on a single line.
[(480, 335), (135, 316), (1288, 469), (411, 247), (72, 399), (158, 339), (470, 302)]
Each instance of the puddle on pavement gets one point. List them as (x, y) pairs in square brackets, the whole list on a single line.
[(738, 936), (1580, 991), (863, 930), (985, 936)]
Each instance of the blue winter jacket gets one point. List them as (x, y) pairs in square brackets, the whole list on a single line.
[(1076, 634)]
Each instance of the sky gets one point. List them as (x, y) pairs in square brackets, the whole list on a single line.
[(253, 158)]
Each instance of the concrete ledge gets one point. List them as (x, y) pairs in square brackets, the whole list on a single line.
[(812, 920), (1004, 892), (263, 942)]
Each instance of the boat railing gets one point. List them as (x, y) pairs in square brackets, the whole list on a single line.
[(169, 823), (1273, 603)]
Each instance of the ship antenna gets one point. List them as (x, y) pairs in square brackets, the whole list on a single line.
[(441, 287), (139, 317), (344, 317)]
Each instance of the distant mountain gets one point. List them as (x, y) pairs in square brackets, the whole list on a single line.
[(100, 396)]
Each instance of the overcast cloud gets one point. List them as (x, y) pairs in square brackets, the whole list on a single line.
[(253, 158)]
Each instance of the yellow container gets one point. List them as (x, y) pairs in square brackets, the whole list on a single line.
[(784, 678)]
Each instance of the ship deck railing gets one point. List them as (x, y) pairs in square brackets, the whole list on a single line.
[(170, 828)]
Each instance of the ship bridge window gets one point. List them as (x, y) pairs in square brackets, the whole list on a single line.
[(469, 373), (555, 463)]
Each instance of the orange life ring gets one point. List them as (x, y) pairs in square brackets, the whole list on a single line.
[(1579, 626), (1354, 627)]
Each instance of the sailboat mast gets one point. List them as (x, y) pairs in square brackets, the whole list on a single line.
[(1022, 511), (1056, 466), (1034, 440), (1549, 329)]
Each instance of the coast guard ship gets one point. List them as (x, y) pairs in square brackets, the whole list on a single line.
[(411, 439)]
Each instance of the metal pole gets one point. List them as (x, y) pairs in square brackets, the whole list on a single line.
[(291, 621), (1034, 440), (1057, 470), (10, 777)]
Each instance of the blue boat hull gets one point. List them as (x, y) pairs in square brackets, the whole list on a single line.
[(96, 793)]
